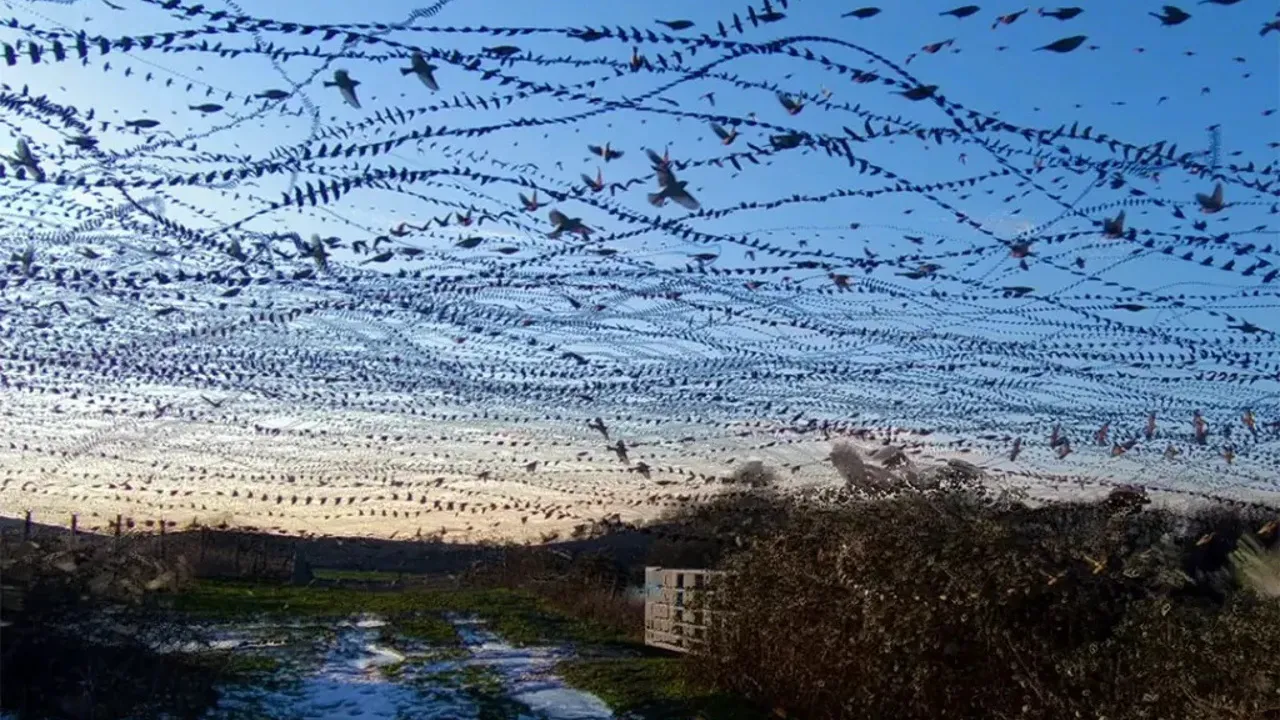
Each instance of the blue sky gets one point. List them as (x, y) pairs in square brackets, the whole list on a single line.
[(1138, 63)]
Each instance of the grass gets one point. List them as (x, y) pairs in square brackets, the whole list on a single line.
[(653, 688), (520, 617), (483, 686), (370, 576)]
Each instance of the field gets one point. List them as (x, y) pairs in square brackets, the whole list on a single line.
[(956, 602)]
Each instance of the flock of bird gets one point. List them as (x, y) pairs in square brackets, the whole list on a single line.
[(401, 276)]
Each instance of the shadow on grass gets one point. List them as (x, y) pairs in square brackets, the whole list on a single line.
[(654, 688), (520, 617)]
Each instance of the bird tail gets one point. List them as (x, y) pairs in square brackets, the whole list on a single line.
[(656, 199)]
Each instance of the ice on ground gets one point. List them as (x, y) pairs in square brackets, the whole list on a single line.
[(352, 681), (348, 684), (528, 677)]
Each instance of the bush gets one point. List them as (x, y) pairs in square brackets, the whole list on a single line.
[(82, 634), (956, 603)]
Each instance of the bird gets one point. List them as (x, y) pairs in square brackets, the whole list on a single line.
[(1267, 27), (1009, 19), (792, 106), (1172, 15), (676, 24), (530, 204), (599, 426), (23, 158), (726, 136), (963, 11), (1211, 203), (605, 152), (596, 184), (423, 69), (1065, 45), (342, 80), (919, 92), (1114, 227), (674, 190), (863, 13), (564, 223), (1061, 13)]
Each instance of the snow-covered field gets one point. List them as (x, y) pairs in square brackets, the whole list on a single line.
[(352, 670)]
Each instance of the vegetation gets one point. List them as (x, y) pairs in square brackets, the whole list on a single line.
[(654, 688), (82, 628), (905, 594), (945, 600)]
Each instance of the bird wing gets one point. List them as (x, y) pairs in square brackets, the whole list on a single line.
[(719, 131), (685, 200), (595, 149), (666, 177), (557, 217)]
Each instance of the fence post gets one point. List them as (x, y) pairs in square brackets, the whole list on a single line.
[(75, 531), (26, 527)]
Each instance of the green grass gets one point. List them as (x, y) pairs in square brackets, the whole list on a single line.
[(382, 576), (521, 618), (653, 688)]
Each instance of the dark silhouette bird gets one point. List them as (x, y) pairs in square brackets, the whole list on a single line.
[(1065, 45), (599, 426), (342, 80), (564, 223), (23, 158), (963, 11), (792, 105), (920, 92), (1211, 203), (1065, 13), (1114, 227), (1270, 26), (863, 13), (1171, 15), (605, 152), (676, 24), (1009, 19), (206, 107), (674, 190), (1219, 2), (424, 70), (595, 184), (726, 136)]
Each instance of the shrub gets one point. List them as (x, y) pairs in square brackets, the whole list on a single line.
[(81, 632), (960, 603)]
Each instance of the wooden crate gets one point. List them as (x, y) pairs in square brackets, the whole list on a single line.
[(673, 617)]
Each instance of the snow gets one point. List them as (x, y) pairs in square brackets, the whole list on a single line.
[(351, 681), (526, 672)]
